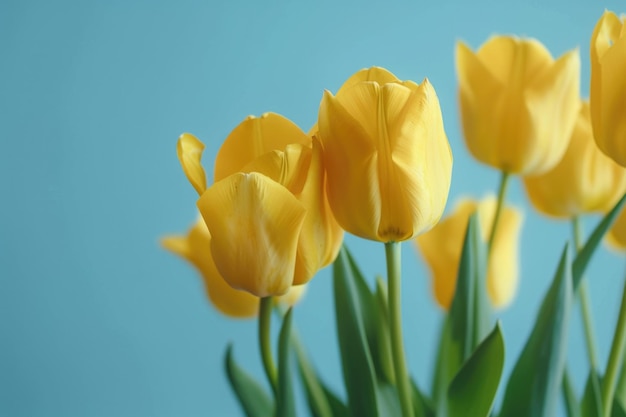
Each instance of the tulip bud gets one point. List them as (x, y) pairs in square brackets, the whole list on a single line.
[(584, 181), (518, 105), (608, 86), (387, 158), (441, 248)]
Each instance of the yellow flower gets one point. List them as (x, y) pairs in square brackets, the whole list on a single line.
[(387, 157), (441, 248), (616, 236), (195, 247), (584, 181), (518, 105), (271, 216), (608, 86)]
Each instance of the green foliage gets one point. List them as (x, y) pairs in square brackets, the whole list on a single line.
[(533, 387), (285, 405), (253, 399)]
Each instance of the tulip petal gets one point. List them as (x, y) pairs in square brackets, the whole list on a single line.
[(377, 74), (195, 247), (252, 138), (255, 223), (189, 150)]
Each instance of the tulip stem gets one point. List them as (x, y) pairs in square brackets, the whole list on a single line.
[(615, 358), (504, 182), (265, 316), (585, 303), (392, 254)]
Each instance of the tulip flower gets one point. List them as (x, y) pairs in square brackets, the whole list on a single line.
[(195, 247), (387, 158), (441, 248), (518, 105), (584, 181), (608, 86)]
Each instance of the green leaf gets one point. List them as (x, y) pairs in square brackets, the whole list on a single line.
[(591, 403), (319, 398), (422, 404), (285, 404), (618, 409), (253, 399), (533, 388), (569, 396), (381, 351), (467, 396), (467, 322), (357, 366), (581, 261)]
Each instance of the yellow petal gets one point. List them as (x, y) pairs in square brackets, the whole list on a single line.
[(252, 138), (255, 224), (377, 74), (189, 150), (293, 296), (584, 181), (300, 170), (195, 247)]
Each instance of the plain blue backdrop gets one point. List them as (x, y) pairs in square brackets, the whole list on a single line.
[(95, 318)]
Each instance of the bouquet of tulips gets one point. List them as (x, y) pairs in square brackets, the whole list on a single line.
[(378, 165)]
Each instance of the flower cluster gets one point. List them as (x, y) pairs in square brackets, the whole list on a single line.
[(377, 164)]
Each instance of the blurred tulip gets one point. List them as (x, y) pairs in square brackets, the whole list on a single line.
[(441, 248), (195, 247), (608, 86), (584, 181), (518, 105), (386, 155)]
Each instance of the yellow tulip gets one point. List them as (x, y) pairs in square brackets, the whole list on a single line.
[(608, 86), (254, 137), (441, 248), (616, 236), (299, 168), (518, 105), (387, 158), (195, 247), (584, 181)]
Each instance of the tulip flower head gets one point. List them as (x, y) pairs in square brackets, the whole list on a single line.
[(608, 86), (195, 247), (584, 181), (267, 212), (518, 105), (441, 248), (386, 155)]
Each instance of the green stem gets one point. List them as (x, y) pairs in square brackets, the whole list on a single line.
[(615, 358), (504, 182), (392, 253), (265, 315), (585, 303)]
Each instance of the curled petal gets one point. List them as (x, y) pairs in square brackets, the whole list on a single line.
[(255, 223), (189, 150)]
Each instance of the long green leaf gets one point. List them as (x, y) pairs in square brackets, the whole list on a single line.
[(581, 261), (358, 369), (467, 322), (473, 389), (569, 396), (253, 399), (422, 403), (285, 404), (533, 388)]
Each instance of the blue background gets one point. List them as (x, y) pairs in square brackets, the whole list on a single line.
[(95, 318)]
